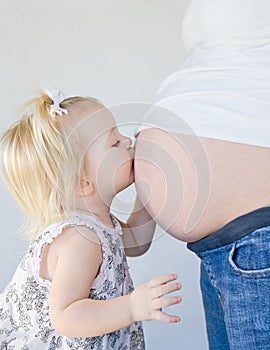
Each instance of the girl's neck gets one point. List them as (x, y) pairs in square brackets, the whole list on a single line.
[(100, 212), (104, 219), (96, 206)]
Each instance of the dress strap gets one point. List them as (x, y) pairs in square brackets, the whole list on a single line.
[(55, 229)]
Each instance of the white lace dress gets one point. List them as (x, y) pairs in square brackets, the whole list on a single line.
[(24, 308)]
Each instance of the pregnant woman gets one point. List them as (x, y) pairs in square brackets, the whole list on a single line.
[(202, 164)]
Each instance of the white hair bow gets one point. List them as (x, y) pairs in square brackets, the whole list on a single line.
[(57, 96)]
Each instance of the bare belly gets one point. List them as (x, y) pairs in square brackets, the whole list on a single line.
[(193, 186)]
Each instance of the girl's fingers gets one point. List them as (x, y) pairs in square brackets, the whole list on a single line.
[(165, 289), (162, 279), (160, 303), (163, 317)]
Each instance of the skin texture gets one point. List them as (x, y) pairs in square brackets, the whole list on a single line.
[(193, 186), (75, 256)]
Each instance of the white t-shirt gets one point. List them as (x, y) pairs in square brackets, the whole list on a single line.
[(240, 23), (222, 90)]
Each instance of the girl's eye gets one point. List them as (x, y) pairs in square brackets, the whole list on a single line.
[(116, 144)]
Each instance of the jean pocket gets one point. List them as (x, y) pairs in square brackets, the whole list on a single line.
[(250, 256)]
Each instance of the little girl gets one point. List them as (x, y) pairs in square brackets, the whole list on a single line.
[(64, 161)]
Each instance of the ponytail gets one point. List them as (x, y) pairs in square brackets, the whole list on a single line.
[(40, 164)]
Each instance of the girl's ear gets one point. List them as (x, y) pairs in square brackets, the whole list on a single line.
[(84, 188)]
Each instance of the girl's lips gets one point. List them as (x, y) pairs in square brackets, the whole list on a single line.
[(132, 152)]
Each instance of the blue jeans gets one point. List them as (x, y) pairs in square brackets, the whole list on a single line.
[(235, 283)]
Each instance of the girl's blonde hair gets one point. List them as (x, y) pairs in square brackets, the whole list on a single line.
[(41, 163)]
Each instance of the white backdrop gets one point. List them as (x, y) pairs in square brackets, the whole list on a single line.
[(118, 51)]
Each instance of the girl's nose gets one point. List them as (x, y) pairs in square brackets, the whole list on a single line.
[(127, 142)]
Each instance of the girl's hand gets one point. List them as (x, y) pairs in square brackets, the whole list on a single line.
[(147, 301)]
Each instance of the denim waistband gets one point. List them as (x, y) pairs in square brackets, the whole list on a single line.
[(232, 231)]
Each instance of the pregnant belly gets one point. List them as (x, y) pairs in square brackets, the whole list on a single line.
[(193, 186)]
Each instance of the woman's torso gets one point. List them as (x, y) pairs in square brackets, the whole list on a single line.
[(204, 158), (239, 23), (199, 184)]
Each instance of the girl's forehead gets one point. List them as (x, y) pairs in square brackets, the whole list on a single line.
[(86, 113), (94, 125), (99, 122)]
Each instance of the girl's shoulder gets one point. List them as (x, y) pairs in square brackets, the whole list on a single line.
[(75, 223), (78, 219)]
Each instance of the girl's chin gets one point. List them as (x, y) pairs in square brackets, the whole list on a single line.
[(129, 182), (132, 177)]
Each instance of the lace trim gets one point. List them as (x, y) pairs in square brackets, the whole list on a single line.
[(78, 219)]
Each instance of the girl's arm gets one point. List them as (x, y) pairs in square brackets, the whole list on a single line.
[(138, 231), (73, 314)]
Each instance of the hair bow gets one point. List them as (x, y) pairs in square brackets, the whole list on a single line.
[(57, 96)]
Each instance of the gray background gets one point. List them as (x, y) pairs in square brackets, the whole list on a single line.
[(118, 51)]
